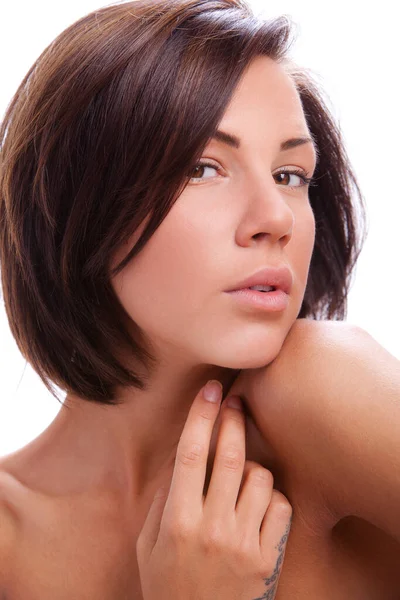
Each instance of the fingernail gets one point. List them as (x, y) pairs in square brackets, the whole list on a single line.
[(234, 402), (212, 391)]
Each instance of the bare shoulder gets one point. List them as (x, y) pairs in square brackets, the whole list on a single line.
[(286, 399), (306, 361), (335, 392), (44, 536), (337, 362), (307, 338), (9, 526), (324, 357)]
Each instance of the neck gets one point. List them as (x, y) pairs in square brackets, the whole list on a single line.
[(133, 445)]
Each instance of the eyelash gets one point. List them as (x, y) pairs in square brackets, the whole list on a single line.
[(302, 174)]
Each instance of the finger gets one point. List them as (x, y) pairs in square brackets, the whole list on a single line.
[(188, 478), (254, 500), (275, 528), (151, 528), (229, 461)]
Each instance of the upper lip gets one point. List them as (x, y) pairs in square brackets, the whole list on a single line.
[(277, 277)]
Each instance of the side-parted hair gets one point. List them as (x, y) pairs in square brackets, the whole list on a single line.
[(102, 134)]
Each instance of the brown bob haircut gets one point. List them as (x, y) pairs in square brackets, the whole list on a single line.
[(102, 134)]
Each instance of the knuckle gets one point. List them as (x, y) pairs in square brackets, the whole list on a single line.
[(213, 536), (205, 415), (178, 531), (232, 458), (261, 477), (190, 455), (246, 547), (281, 504)]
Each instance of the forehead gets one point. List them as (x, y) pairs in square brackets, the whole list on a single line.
[(265, 101)]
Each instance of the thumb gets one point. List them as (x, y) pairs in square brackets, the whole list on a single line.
[(149, 533)]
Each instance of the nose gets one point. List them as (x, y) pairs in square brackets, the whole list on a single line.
[(270, 215)]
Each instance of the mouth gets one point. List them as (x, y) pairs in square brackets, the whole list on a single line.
[(262, 289), (267, 281), (273, 300)]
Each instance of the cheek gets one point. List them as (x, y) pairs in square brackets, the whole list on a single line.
[(308, 234), (302, 244), (164, 282)]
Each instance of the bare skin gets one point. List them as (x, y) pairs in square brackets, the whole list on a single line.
[(80, 541), (81, 491)]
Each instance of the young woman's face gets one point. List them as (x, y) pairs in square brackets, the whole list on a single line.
[(233, 219)]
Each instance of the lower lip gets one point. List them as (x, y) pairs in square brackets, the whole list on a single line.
[(270, 301)]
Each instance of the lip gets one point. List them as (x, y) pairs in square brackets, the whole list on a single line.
[(279, 277)]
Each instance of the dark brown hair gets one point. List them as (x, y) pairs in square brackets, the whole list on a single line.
[(101, 135)]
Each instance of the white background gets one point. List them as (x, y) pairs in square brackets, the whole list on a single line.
[(353, 49)]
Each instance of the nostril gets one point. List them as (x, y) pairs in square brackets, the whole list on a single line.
[(260, 235)]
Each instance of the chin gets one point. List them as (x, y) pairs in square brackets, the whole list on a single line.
[(253, 355)]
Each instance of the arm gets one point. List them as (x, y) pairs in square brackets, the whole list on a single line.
[(338, 392)]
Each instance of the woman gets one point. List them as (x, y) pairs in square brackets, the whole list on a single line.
[(156, 156)]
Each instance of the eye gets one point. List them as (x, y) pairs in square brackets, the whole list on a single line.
[(302, 175), (201, 167)]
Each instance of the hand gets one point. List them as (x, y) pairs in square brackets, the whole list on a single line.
[(227, 545)]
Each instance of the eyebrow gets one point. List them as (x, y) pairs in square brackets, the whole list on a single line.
[(234, 142)]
